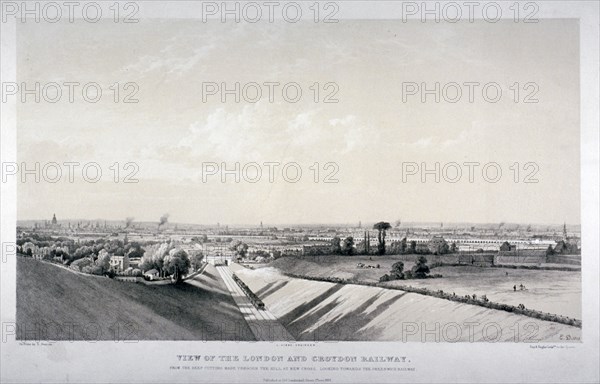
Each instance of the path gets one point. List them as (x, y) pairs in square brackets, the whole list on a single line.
[(263, 323)]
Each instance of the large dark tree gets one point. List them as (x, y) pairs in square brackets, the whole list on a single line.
[(381, 227), (240, 248), (177, 264), (336, 247), (420, 270), (347, 246), (397, 272), (403, 246), (413, 246)]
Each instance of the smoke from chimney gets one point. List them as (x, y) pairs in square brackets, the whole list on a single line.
[(163, 220), (128, 222)]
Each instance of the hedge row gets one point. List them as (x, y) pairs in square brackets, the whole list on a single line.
[(508, 266), (545, 268), (452, 297)]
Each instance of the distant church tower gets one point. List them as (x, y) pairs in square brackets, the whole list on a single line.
[(54, 219), (565, 237)]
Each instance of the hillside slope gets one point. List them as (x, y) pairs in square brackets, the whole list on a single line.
[(557, 292), (314, 310), (97, 308)]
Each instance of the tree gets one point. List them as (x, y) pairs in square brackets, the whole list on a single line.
[(336, 248), (397, 272), (154, 256), (135, 252), (403, 245), (413, 247), (200, 239), (453, 248), (82, 252), (177, 264), (347, 246), (196, 258), (420, 270), (549, 251), (361, 247), (240, 248), (381, 227), (103, 261)]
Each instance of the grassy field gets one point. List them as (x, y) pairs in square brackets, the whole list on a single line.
[(338, 266), (79, 307), (556, 292)]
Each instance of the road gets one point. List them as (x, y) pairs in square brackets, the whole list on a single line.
[(263, 323)]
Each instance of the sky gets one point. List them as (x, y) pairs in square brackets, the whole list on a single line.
[(364, 138)]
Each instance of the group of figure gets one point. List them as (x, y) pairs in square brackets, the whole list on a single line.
[(362, 265), (521, 287), (474, 297)]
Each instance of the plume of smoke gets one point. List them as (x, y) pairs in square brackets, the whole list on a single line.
[(163, 220), (128, 222)]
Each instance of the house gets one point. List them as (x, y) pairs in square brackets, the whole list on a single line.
[(151, 274), (119, 263), (565, 247), (41, 252), (507, 249), (437, 245), (135, 262)]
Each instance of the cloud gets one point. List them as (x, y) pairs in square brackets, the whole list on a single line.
[(423, 143)]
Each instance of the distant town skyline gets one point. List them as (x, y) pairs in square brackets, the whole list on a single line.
[(364, 224)]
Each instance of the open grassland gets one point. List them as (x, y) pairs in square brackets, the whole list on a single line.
[(56, 304), (316, 310), (556, 292), (343, 267)]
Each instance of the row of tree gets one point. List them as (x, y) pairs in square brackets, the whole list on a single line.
[(419, 271), (347, 246), (169, 260), (93, 256)]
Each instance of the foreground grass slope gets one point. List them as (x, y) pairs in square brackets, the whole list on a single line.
[(314, 310), (557, 292), (97, 308)]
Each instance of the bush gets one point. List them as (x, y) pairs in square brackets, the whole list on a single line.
[(420, 270)]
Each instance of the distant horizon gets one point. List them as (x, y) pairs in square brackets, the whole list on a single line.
[(365, 224)]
